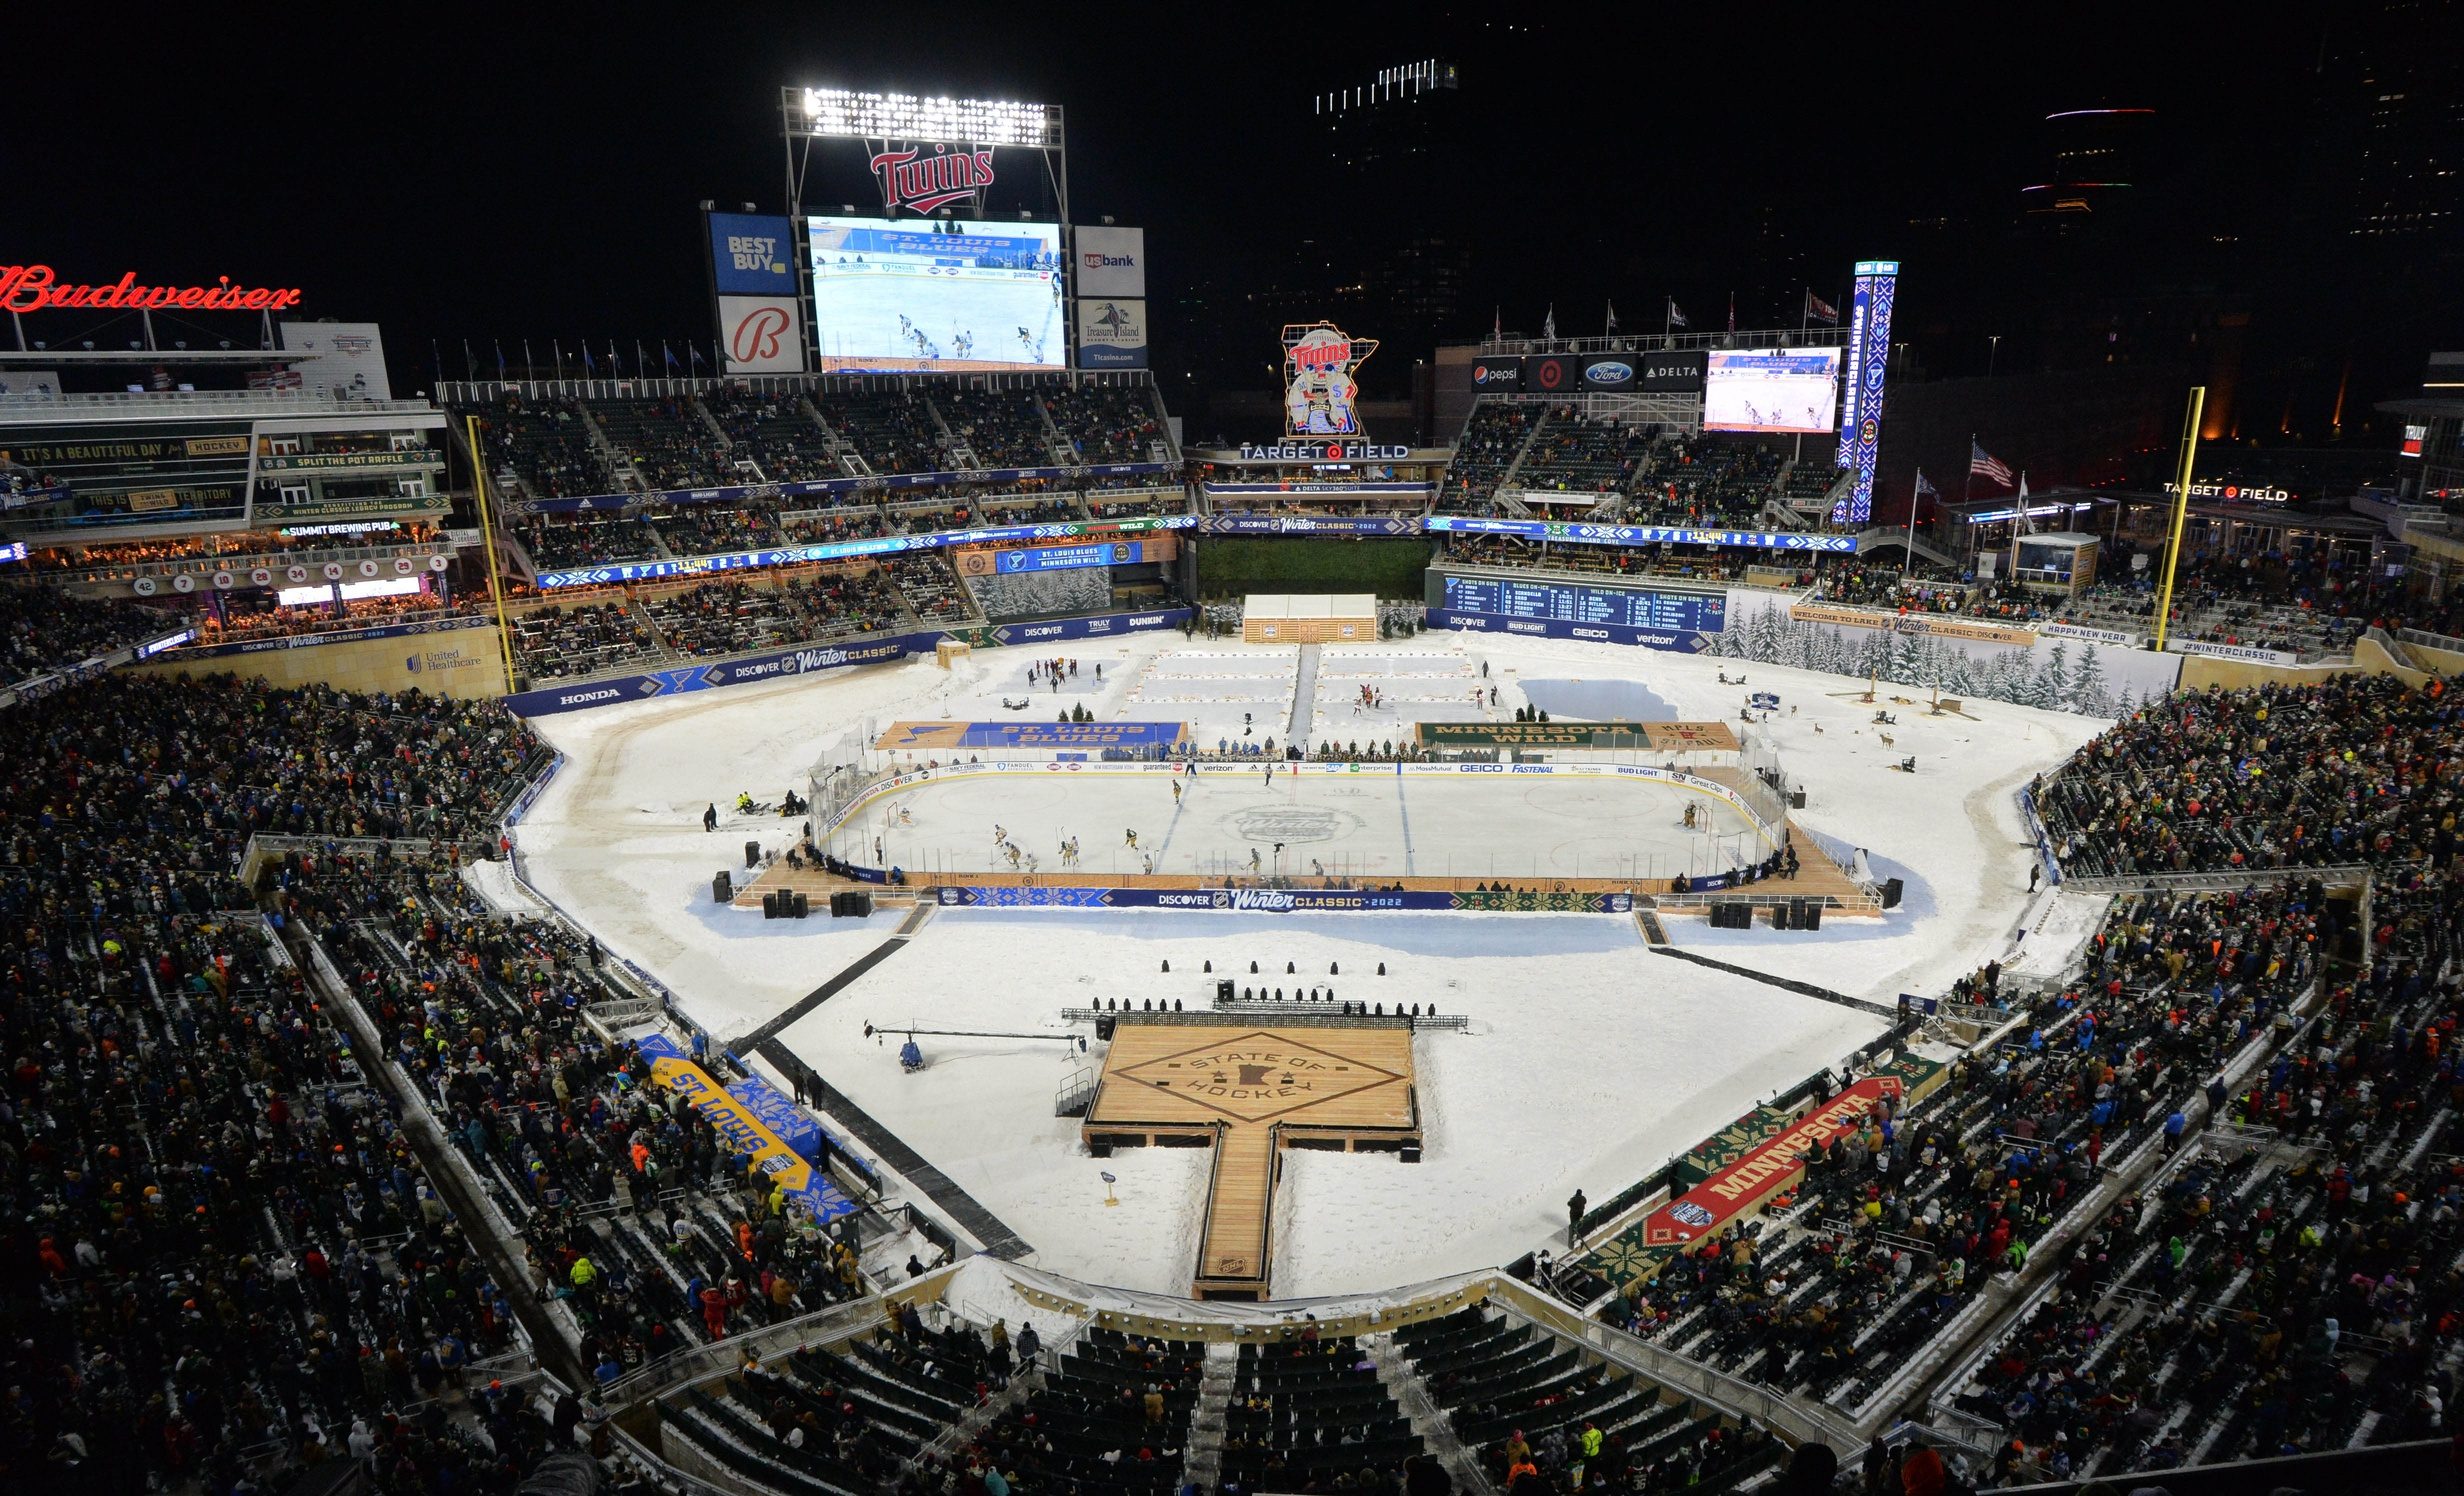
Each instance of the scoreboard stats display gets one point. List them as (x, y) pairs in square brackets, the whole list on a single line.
[(1621, 607)]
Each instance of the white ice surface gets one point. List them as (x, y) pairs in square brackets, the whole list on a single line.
[(1371, 825), (1591, 1061)]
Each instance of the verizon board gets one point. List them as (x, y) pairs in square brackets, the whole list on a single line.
[(1778, 389), (919, 294)]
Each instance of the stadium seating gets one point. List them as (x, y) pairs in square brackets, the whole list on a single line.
[(931, 589), (708, 529), (1105, 423), (238, 1251), (892, 430), (1521, 1395), (582, 639), (559, 543), (43, 629), (1577, 454), (367, 612), (546, 447), (667, 441), (1706, 480), (1004, 428), (719, 618), (1490, 441), (773, 432)]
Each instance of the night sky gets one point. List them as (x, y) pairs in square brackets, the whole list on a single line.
[(453, 177)]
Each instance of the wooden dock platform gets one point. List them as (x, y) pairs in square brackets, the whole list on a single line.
[(1250, 1093)]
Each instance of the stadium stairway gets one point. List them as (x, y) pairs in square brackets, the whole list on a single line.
[(1892, 535), (1429, 1420), (613, 455), (1202, 1463), (1304, 697)]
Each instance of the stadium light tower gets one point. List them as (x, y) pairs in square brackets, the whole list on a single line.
[(926, 154), (892, 123)]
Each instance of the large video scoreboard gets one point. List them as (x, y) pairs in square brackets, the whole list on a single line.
[(1581, 603)]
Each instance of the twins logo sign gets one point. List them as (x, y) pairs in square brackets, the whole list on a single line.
[(1321, 389), (920, 183)]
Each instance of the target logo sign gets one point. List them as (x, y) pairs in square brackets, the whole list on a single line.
[(1550, 374)]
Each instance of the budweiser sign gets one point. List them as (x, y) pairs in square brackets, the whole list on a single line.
[(34, 288), (920, 183)]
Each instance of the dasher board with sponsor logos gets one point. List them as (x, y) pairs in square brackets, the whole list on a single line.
[(920, 737), (1659, 737)]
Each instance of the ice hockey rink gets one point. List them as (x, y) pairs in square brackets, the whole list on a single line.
[(1368, 821), (1642, 1054)]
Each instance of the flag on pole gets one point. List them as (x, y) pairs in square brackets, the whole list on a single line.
[(1732, 311), (500, 360), (1497, 324), (588, 362), (2027, 524), (666, 354), (1925, 486), (1548, 328), (1676, 314), (1612, 316), (1819, 309), (694, 355), (1984, 464)]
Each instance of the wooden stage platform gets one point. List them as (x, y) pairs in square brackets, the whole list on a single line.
[(1249, 1093)]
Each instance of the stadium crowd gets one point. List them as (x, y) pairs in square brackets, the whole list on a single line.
[(232, 1260), (43, 629)]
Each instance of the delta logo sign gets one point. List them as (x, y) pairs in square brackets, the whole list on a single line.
[(1321, 364), (36, 288), (920, 183)]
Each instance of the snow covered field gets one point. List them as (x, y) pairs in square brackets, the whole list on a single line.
[(1590, 1062)]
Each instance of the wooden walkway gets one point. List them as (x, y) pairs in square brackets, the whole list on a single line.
[(1232, 1241), (1251, 1092)]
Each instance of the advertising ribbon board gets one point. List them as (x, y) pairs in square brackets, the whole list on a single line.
[(1767, 1170), (745, 1132)]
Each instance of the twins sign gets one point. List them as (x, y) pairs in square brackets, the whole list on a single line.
[(1321, 390)]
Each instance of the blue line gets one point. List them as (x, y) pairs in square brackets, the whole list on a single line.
[(1169, 827), (1405, 812)]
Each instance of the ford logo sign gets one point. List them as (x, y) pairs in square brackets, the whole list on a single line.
[(1608, 371)]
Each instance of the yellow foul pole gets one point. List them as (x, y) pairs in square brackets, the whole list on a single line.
[(487, 539), (2181, 508)]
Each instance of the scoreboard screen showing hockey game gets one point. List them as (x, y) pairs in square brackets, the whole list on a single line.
[(926, 293), (1776, 389), (1670, 612)]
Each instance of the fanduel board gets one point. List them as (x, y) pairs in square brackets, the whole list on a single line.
[(1779, 389), (910, 294), (1678, 612)]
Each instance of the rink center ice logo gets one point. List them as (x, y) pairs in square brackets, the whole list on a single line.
[(1292, 824)]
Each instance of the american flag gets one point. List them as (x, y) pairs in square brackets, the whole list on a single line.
[(1984, 464)]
